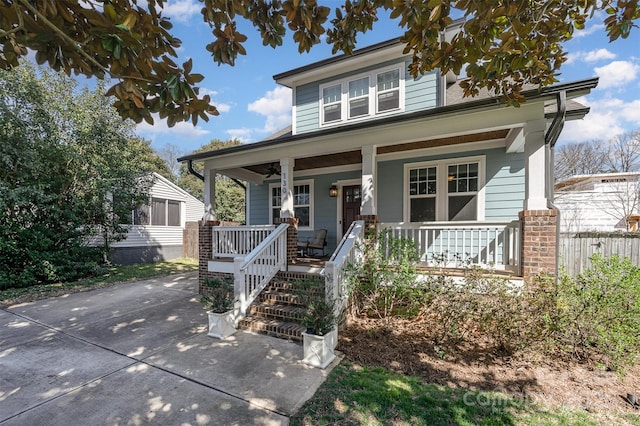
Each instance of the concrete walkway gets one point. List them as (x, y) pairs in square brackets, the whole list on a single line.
[(138, 353)]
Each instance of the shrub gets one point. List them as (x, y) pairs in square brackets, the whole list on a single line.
[(218, 296), (599, 312)]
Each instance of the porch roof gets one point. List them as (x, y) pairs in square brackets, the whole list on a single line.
[(573, 89)]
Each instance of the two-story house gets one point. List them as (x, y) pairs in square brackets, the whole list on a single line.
[(464, 177)]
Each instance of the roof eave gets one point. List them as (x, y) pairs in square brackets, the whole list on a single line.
[(575, 89)]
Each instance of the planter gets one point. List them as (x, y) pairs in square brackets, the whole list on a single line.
[(222, 325), (319, 350)]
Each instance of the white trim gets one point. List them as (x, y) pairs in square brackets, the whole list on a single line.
[(339, 211), (441, 182), (372, 95), (294, 110), (449, 149), (247, 205), (309, 182), (328, 170)]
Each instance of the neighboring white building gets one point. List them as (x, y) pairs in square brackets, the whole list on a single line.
[(600, 202), (156, 229)]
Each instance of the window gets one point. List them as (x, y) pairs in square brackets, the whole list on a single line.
[(388, 90), (445, 190), (359, 97), (302, 204), (161, 212), (331, 100), (422, 194), (362, 96)]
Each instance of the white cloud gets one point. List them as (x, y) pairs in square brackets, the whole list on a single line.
[(222, 107), (182, 10), (607, 118), (617, 73), (276, 106), (159, 127), (244, 135), (591, 29), (591, 56), (599, 55)]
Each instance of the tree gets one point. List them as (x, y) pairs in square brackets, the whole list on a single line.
[(505, 44), (71, 168), (618, 154), (170, 153), (230, 197)]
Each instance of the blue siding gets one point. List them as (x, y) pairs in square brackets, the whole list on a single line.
[(504, 187), (325, 207), (421, 93)]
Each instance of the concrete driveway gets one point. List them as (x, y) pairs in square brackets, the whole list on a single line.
[(138, 353)]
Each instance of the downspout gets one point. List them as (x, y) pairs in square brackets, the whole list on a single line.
[(199, 176), (550, 139)]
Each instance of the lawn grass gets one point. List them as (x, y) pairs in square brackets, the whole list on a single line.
[(354, 395), (109, 276)]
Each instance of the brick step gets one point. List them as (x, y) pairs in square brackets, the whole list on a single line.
[(272, 327), (288, 312)]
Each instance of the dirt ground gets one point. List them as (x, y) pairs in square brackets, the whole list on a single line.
[(526, 375)]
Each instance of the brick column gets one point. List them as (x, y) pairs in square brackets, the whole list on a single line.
[(370, 222), (292, 236), (205, 240), (538, 249)]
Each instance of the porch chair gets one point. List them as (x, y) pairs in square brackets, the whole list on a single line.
[(318, 241)]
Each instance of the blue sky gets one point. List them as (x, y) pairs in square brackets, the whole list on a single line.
[(252, 106)]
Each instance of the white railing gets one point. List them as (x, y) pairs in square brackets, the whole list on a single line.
[(347, 252), (233, 241), (253, 272), (455, 244)]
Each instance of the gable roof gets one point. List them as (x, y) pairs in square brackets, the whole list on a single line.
[(573, 89)]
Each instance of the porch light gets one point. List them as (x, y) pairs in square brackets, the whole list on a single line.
[(333, 191)]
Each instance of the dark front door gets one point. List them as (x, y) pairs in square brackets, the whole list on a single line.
[(351, 200)]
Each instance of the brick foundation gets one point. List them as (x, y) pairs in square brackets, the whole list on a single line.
[(370, 222), (292, 237), (205, 254), (538, 249)]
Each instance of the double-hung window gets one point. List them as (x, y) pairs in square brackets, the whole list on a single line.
[(363, 95), (447, 190), (302, 203)]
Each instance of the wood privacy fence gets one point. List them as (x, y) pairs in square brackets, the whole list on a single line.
[(577, 248), (190, 240)]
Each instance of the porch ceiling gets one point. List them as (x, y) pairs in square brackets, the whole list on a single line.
[(355, 157)]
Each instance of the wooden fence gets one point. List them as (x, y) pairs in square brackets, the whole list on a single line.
[(190, 241), (576, 248)]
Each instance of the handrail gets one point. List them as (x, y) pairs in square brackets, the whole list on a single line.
[(495, 244), (233, 241), (253, 272), (348, 251)]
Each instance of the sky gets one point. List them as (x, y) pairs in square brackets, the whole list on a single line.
[(252, 106)]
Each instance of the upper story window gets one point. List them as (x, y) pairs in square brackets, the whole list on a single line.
[(445, 190), (362, 96)]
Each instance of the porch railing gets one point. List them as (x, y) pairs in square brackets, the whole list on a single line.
[(348, 251), (253, 272), (233, 241), (455, 244)]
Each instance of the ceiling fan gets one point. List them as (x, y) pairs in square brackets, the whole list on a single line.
[(272, 170)]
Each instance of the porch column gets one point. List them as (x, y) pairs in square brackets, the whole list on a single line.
[(538, 254), (368, 207), (535, 166), (287, 214), (286, 185), (205, 250), (209, 195)]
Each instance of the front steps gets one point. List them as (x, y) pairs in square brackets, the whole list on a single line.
[(278, 311)]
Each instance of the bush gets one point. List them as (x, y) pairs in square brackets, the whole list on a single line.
[(599, 312), (218, 295)]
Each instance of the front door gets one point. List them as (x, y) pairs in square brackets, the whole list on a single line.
[(351, 200)]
